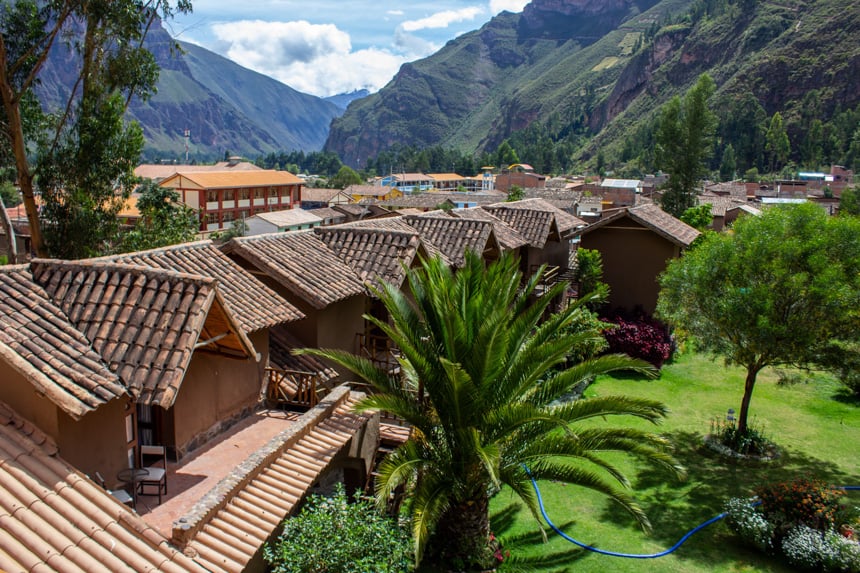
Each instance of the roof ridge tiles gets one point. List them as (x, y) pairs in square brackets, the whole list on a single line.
[(90, 265)]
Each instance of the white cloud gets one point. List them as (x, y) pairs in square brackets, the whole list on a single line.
[(442, 19), (312, 58), (395, 12), (514, 6)]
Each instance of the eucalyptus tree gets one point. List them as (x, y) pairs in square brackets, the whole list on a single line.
[(83, 149), (482, 372)]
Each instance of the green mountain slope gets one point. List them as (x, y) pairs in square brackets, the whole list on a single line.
[(592, 71), (225, 107)]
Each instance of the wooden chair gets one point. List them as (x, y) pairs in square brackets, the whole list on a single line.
[(120, 495), (157, 474)]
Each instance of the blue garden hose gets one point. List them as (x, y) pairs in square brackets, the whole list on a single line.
[(680, 542)]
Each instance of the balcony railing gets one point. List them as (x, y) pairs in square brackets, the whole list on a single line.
[(379, 350), (292, 388)]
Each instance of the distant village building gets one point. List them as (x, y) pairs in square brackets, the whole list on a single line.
[(221, 197), (379, 193), (280, 221), (407, 182), (520, 174), (158, 172), (317, 198)]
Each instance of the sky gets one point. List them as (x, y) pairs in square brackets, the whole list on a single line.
[(328, 47)]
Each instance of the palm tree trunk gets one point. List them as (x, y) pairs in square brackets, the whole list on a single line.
[(463, 535)]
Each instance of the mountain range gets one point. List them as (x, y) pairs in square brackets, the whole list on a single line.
[(602, 68), (226, 108)]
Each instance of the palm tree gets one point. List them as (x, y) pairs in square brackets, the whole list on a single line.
[(480, 377)]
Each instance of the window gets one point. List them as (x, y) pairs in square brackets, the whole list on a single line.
[(227, 216), (244, 194), (243, 214), (229, 194), (259, 193), (273, 192), (211, 196)]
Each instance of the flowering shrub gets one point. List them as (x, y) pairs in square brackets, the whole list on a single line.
[(798, 519), (801, 502), (748, 522), (640, 336), (804, 547)]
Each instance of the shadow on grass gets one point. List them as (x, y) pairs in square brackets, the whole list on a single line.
[(524, 548), (675, 508), (845, 396)]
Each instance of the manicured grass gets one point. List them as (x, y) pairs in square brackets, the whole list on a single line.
[(816, 426)]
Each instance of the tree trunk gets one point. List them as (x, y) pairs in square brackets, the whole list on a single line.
[(15, 131), (752, 372), (11, 247), (463, 535)]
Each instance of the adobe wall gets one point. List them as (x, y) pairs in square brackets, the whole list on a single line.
[(22, 397), (217, 392), (96, 442), (633, 257), (332, 327)]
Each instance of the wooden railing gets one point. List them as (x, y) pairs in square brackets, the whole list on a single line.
[(292, 388), (379, 350)]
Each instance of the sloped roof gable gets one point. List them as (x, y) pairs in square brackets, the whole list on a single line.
[(39, 342), (145, 323)]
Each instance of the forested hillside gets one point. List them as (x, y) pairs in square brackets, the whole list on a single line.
[(579, 82)]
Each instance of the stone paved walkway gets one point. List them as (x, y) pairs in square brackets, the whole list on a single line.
[(189, 480)]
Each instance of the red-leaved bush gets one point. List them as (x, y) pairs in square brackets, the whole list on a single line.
[(640, 336)]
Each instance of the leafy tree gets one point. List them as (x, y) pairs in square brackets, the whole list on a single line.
[(728, 164), (778, 147), (506, 155), (10, 195), (515, 193), (589, 274), (163, 220), (83, 139), (751, 175), (684, 141), (478, 390), (775, 292), (331, 534), (345, 177), (699, 217), (849, 201)]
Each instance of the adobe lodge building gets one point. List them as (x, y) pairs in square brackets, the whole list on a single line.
[(221, 197), (176, 346)]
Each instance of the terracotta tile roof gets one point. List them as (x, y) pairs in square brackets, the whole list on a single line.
[(39, 342), (327, 213), (319, 195), (281, 345), (227, 539), (536, 226), (151, 171), (145, 323), (233, 179), (565, 221), (254, 305), (508, 237), (302, 263), (372, 250), (454, 235), (654, 218), (398, 224), (52, 518)]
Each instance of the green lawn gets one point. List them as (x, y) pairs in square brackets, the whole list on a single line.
[(817, 427)]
